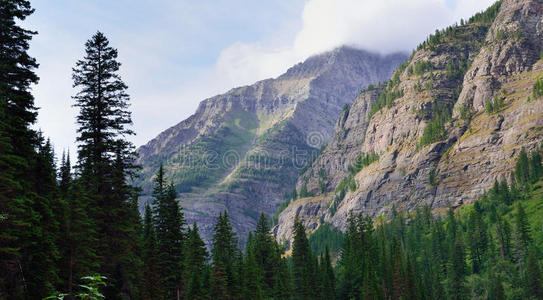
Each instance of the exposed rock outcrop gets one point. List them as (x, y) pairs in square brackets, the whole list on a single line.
[(466, 153)]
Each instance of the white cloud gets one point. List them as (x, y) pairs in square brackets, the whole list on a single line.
[(382, 26)]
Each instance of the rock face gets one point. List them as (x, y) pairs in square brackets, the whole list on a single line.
[(243, 150), (453, 78)]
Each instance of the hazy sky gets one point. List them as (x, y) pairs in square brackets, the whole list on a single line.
[(176, 53)]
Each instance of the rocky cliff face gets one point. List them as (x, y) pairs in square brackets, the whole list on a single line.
[(243, 150), (461, 110)]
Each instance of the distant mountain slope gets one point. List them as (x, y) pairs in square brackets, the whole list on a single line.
[(242, 151), (448, 124)]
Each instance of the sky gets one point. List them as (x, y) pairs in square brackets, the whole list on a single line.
[(176, 53)]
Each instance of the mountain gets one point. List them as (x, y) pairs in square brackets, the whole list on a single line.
[(449, 123), (243, 150)]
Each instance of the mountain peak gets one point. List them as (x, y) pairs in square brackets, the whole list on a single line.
[(283, 120)]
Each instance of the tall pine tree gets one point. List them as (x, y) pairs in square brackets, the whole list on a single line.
[(195, 283), (302, 263), (106, 161), (170, 232), (225, 282)]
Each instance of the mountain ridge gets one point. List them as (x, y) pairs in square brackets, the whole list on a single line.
[(238, 151)]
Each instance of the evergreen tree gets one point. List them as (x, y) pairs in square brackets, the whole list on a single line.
[(302, 263), (534, 284), (65, 175), (266, 258), (328, 278), (17, 149), (170, 231), (251, 273), (457, 271), (522, 171), (477, 237), (535, 168), (224, 251), (522, 229), (43, 276), (350, 263), (106, 161), (195, 283), (496, 290), (80, 253), (150, 257)]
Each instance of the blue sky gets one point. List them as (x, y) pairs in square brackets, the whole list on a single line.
[(177, 53)]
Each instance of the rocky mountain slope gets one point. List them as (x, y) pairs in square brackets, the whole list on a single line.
[(243, 150), (448, 124)]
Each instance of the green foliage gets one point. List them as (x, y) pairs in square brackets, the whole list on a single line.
[(432, 177), (302, 264), (323, 177), (465, 112), (456, 70), (435, 130), (363, 160), (90, 289), (170, 226), (21, 212), (422, 66), (348, 183), (386, 99), (528, 169), (107, 162), (281, 208), (303, 190), (485, 18), (494, 106), (488, 16), (500, 35), (538, 88), (325, 237), (225, 278), (203, 163), (195, 282)]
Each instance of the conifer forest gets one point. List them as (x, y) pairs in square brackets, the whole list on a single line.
[(74, 225)]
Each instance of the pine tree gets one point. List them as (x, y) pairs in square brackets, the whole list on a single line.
[(328, 278), (534, 284), (194, 281), (350, 263), (224, 251), (522, 171), (398, 278), (496, 290), (477, 237), (79, 247), (150, 257), (266, 258), (43, 276), (17, 148), (302, 263), (251, 273), (457, 271), (535, 167), (170, 231), (106, 162), (65, 175), (522, 229)]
